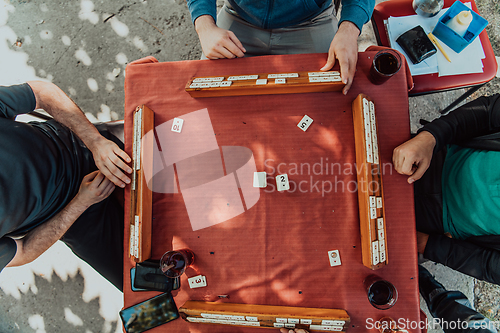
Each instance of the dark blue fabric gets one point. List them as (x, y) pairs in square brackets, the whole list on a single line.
[(42, 165), (274, 14), (8, 250), (16, 100)]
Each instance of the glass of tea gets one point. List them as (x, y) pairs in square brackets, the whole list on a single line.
[(385, 64), (174, 263), (381, 293)]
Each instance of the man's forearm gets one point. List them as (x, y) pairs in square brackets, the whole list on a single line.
[(478, 117), (55, 102), (44, 236)]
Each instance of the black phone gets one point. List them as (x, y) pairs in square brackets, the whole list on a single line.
[(153, 312), (147, 275)]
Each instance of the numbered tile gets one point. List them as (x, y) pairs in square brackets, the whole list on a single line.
[(272, 76), (226, 83), (380, 223), (280, 81), (375, 254), (334, 257), (304, 123), (381, 234), (282, 182), (333, 79), (259, 179), (373, 201), (381, 245), (177, 125), (379, 202), (214, 84), (197, 282), (382, 256)]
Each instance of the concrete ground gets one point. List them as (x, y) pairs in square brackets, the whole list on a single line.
[(83, 47)]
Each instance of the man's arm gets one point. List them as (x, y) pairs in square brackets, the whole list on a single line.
[(217, 43), (479, 117), (108, 157), (344, 46), (464, 256), (94, 188)]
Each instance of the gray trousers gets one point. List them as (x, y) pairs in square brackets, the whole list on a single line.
[(313, 36)]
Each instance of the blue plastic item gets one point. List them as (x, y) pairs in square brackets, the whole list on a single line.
[(451, 38)]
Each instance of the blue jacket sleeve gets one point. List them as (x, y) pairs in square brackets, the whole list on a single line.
[(198, 8), (16, 100), (356, 11)]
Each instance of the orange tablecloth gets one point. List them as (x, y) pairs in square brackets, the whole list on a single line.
[(275, 253)]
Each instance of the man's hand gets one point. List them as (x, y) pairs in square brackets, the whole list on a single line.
[(344, 47), (217, 43), (94, 188), (109, 158), (296, 330), (413, 157)]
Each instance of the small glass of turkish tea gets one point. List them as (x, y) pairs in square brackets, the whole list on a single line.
[(174, 263), (385, 64), (381, 293)]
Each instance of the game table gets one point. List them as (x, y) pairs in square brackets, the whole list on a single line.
[(263, 246)]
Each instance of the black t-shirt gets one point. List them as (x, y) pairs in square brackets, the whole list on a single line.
[(41, 168)]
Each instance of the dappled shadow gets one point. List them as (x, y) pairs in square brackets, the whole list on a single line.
[(58, 282), (53, 306), (84, 46)]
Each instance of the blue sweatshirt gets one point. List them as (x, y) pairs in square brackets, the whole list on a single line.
[(274, 14)]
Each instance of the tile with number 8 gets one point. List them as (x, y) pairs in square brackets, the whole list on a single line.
[(177, 125)]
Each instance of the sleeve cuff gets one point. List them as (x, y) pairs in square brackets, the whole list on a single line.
[(200, 8), (354, 14)]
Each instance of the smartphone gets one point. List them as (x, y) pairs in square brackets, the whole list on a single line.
[(132, 281), (147, 275), (151, 313)]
